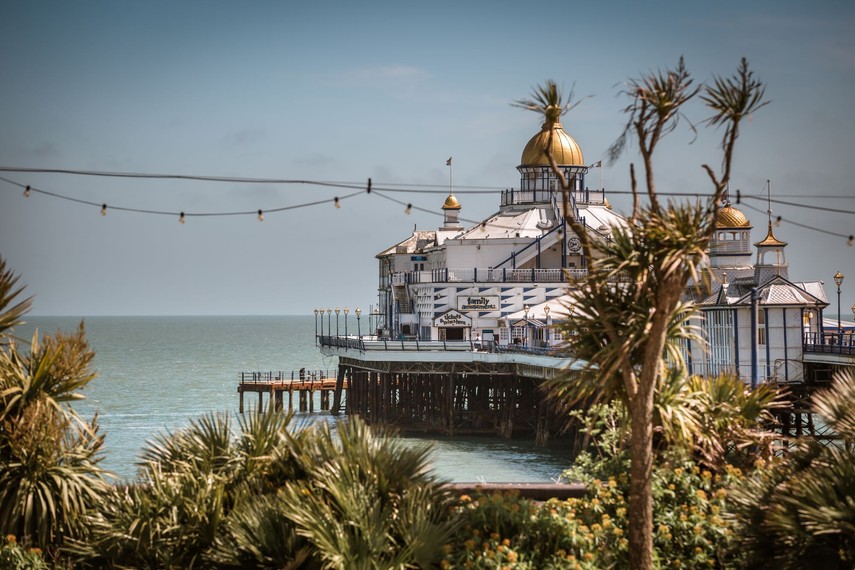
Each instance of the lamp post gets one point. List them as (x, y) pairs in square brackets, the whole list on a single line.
[(838, 279), (526, 308), (316, 327), (329, 322), (337, 311), (358, 327), (546, 311), (346, 311)]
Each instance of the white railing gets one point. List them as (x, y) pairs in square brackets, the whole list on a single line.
[(489, 275)]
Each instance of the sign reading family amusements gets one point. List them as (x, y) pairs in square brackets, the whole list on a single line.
[(484, 303), (452, 319)]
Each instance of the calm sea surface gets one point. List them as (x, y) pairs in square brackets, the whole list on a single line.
[(157, 373)]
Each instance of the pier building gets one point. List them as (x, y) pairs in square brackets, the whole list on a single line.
[(461, 339)]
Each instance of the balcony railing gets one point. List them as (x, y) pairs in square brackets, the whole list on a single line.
[(830, 342), (372, 343), (489, 275), (536, 196)]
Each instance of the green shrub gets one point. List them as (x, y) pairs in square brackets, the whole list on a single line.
[(14, 556), (690, 522)]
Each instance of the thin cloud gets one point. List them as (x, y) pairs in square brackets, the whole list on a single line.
[(246, 136), (387, 73)]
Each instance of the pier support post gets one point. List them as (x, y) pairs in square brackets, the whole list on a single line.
[(240, 406), (339, 386)]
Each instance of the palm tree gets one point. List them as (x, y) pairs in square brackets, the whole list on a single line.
[(49, 456), (801, 512), (628, 318)]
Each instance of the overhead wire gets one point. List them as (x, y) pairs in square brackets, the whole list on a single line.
[(379, 189)]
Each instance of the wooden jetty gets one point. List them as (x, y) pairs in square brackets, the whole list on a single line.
[(304, 383)]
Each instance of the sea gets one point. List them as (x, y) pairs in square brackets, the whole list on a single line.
[(156, 374)]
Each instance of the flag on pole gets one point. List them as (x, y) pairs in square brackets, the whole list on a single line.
[(448, 162)]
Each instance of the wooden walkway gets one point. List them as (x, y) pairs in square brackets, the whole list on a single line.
[(276, 385)]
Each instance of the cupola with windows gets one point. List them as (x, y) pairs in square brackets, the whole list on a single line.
[(537, 179)]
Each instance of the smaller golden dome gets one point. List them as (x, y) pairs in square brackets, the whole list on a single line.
[(730, 217), (451, 203)]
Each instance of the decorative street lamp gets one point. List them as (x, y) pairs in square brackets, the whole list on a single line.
[(526, 308), (329, 322), (316, 327), (546, 311), (337, 311), (359, 328), (838, 279), (346, 311)]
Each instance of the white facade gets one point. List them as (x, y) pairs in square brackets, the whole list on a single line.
[(515, 261), (757, 322), (504, 281)]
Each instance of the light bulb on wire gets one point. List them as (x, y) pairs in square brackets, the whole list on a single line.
[(181, 218), (408, 209), (337, 202), (27, 191), (260, 216), (103, 209)]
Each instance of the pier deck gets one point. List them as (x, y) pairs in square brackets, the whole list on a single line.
[(305, 383)]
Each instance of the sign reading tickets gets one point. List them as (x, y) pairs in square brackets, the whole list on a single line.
[(483, 303), (452, 319)]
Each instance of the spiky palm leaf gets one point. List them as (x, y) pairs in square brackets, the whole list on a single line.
[(191, 479), (369, 501), (10, 315), (801, 512), (49, 456), (258, 534), (549, 101), (49, 475), (610, 317), (56, 369)]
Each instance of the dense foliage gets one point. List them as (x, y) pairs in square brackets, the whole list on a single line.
[(49, 472), (691, 527)]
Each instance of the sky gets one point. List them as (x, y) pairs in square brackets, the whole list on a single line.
[(347, 91)]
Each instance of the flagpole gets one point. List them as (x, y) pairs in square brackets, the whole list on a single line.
[(450, 176)]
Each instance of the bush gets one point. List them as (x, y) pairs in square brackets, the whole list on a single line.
[(690, 522), (14, 556)]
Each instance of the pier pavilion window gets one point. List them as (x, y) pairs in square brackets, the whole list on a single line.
[(718, 327), (761, 327)]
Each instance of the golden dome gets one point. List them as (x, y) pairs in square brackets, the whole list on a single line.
[(451, 203), (730, 217), (565, 150)]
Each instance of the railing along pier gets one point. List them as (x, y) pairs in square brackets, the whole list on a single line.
[(276, 384)]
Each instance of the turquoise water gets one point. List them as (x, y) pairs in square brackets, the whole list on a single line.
[(157, 373)]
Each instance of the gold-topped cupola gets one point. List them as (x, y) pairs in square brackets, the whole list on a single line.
[(451, 210), (731, 242), (537, 180)]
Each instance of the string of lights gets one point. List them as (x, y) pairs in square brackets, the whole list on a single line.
[(182, 216), (378, 190)]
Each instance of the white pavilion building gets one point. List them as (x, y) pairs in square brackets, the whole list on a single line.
[(498, 281)]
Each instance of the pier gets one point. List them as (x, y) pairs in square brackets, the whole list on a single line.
[(303, 382), (448, 387)]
